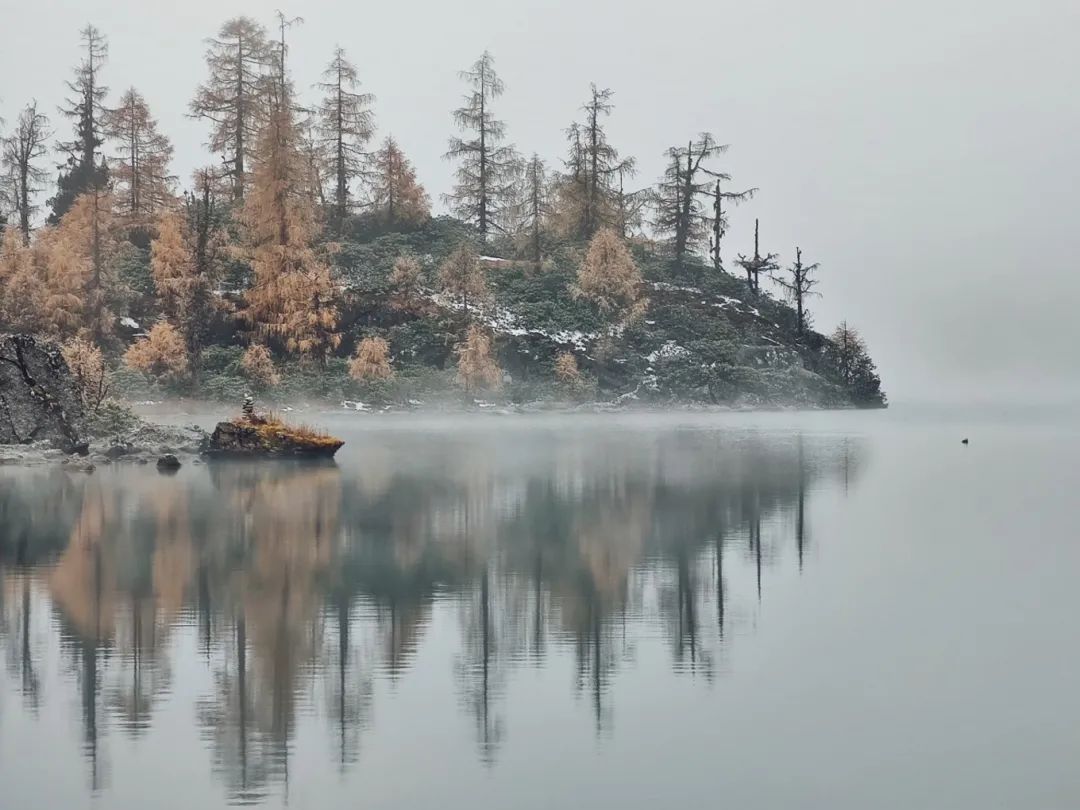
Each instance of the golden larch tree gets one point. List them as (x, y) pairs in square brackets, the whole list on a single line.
[(162, 354), (65, 274), (477, 367), (20, 286), (171, 264), (15, 259), (567, 372), (87, 238), (87, 366), (371, 361), (609, 278), (258, 366), (397, 198), (406, 279), (292, 298), (463, 278)]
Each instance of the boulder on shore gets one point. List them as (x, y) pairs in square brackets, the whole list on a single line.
[(263, 436), (38, 397)]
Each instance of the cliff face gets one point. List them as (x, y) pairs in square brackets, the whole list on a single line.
[(38, 398)]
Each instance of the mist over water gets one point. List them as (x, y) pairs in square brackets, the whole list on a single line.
[(777, 609)]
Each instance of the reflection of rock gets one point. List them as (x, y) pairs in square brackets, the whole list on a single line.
[(38, 400), (270, 438)]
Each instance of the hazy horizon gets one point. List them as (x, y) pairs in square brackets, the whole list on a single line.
[(920, 151)]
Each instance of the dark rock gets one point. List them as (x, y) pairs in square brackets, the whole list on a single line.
[(115, 451), (38, 398), (260, 438), (168, 462), (79, 465)]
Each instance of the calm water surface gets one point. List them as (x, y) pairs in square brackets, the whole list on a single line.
[(823, 610)]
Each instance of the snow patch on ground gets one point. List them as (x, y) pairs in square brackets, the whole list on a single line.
[(508, 323), (668, 351), (663, 285)]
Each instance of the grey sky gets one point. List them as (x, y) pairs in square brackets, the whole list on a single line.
[(924, 151)]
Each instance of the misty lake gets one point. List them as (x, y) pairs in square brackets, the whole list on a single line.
[(747, 610)]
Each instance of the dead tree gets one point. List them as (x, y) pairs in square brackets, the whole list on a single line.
[(758, 264), (800, 287), (19, 153), (719, 221), (679, 209)]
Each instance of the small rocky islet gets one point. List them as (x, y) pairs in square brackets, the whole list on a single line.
[(43, 420)]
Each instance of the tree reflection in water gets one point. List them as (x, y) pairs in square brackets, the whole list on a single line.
[(304, 585)]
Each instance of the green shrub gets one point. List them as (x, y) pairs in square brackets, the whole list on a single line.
[(111, 418), (129, 384)]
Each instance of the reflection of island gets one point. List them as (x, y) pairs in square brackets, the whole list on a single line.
[(304, 584)]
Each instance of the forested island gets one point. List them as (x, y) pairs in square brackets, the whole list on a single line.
[(304, 261)]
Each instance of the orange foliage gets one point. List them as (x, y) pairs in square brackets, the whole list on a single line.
[(87, 366), (372, 360), (259, 367), (396, 194), (161, 354), (609, 278), (476, 366), (292, 298), (21, 296), (462, 276)]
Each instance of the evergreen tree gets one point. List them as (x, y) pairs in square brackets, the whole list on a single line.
[(233, 98), (800, 288), (206, 247), (84, 171), (345, 124), (680, 209), (588, 191), (19, 153), (485, 172), (143, 186), (757, 265), (854, 367), (396, 196), (535, 207)]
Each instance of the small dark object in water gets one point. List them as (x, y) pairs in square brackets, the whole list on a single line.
[(168, 463), (965, 441)]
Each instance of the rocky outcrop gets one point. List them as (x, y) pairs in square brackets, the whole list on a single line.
[(38, 398), (260, 437)]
